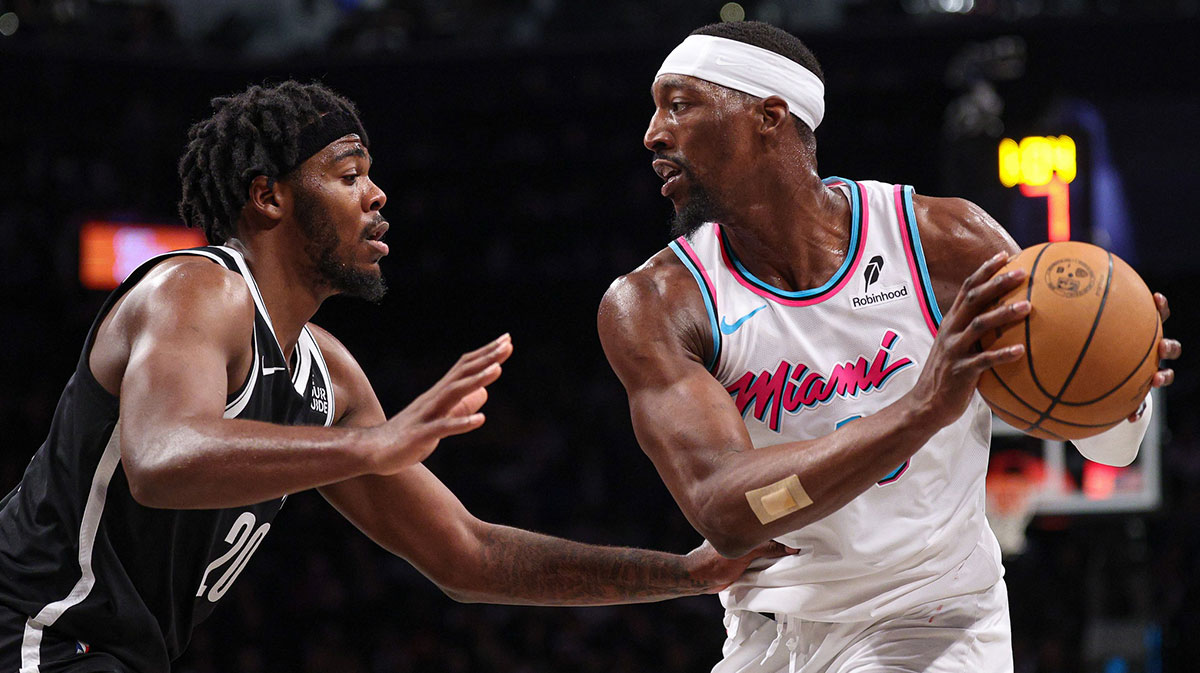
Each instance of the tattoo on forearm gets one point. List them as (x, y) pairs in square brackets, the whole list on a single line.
[(552, 571)]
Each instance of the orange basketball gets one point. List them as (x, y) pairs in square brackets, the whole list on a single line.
[(1091, 343)]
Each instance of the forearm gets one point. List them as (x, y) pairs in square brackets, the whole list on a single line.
[(221, 463), (831, 470), (518, 567)]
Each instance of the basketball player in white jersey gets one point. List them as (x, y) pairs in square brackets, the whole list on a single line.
[(801, 365)]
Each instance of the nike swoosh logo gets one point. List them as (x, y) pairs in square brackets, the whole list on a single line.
[(727, 328), (267, 371)]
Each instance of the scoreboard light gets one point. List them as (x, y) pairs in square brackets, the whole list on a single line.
[(1042, 166), (110, 251)]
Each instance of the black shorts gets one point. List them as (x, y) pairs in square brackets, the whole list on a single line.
[(55, 654)]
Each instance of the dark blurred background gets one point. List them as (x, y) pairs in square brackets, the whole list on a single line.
[(507, 134)]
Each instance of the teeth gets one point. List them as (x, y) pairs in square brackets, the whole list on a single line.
[(666, 169)]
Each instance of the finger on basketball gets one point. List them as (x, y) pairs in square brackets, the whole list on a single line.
[(1163, 378), (996, 286), (986, 270), (1000, 316), (990, 358), (1169, 349), (976, 299), (1164, 309)]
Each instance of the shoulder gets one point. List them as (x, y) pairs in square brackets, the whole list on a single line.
[(194, 288), (957, 237), (335, 353), (656, 304), (342, 365), (657, 281)]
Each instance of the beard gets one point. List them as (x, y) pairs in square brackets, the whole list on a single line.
[(321, 244), (699, 209), (700, 206)]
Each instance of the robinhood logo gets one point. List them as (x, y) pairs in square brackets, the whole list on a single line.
[(883, 296), (871, 274)]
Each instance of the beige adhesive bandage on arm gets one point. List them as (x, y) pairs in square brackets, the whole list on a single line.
[(777, 500)]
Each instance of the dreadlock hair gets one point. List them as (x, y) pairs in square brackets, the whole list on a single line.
[(250, 134), (774, 39)]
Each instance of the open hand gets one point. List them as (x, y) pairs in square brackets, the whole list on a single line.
[(450, 407)]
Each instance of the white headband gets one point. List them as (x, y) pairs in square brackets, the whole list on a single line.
[(749, 69)]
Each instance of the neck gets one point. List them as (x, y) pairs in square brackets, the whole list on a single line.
[(287, 288), (795, 233)]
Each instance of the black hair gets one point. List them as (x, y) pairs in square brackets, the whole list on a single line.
[(768, 37), (253, 133)]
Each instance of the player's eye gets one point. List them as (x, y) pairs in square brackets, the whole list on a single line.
[(350, 178)]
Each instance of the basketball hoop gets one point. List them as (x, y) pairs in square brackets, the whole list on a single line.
[(1010, 501), (1013, 482)]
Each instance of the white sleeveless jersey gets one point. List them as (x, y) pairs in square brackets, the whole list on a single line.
[(798, 365)]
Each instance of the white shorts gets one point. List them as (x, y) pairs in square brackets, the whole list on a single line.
[(963, 633)]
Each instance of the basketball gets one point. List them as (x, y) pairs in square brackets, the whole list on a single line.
[(1091, 343)]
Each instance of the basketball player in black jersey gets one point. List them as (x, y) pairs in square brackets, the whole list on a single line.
[(203, 397)]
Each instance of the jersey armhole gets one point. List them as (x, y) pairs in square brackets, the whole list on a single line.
[(911, 235), (684, 252), (237, 402), (319, 358)]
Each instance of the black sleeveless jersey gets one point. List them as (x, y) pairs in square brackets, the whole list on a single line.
[(84, 561)]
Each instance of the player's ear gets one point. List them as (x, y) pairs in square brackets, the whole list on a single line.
[(773, 113), (267, 198)]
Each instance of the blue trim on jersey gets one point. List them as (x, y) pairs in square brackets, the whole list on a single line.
[(708, 302), (920, 255), (893, 475), (844, 421), (855, 232)]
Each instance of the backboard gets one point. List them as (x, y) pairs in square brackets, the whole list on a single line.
[(1072, 484)]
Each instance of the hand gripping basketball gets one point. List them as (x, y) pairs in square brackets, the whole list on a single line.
[(1092, 344), (450, 407), (956, 360)]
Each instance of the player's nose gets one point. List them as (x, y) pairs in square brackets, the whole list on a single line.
[(376, 197), (657, 138)]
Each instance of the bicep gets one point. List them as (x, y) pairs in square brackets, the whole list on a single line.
[(183, 340), (687, 424), (683, 418)]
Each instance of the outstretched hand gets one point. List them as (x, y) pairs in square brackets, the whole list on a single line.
[(715, 572), (450, 407)]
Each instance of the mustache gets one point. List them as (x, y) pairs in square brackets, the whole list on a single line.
[(376, 222), (684, 164)]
